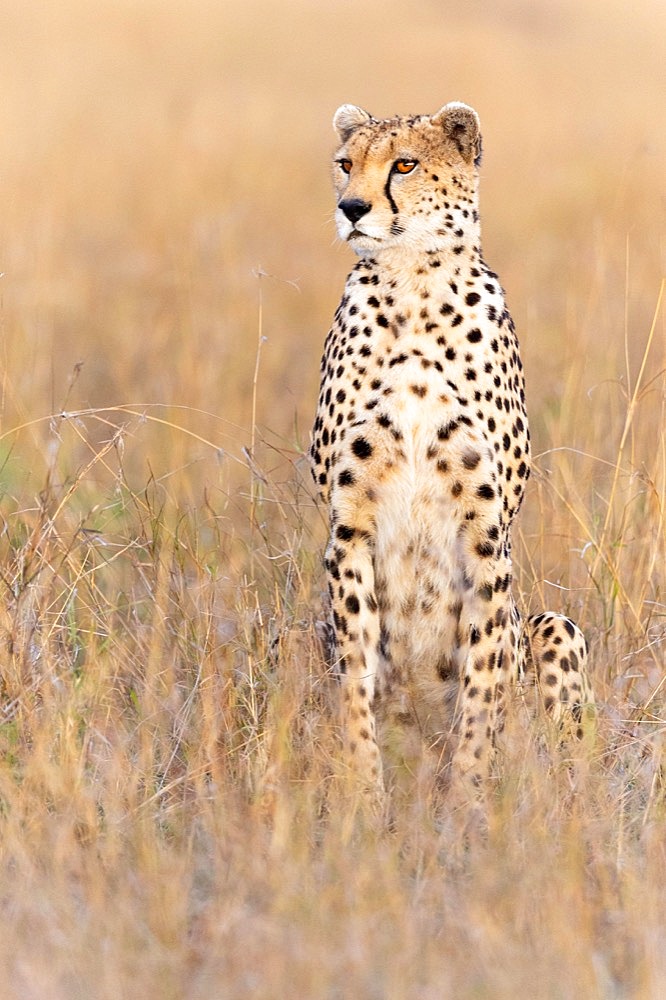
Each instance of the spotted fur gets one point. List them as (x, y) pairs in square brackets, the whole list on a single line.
[(420, 452)]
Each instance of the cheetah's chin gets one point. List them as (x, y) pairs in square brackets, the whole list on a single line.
[(356, 234)]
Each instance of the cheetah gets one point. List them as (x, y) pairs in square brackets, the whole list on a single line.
[(421, 453)]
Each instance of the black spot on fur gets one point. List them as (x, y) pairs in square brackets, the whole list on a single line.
[(361, 448), (485, 492), (345, 533)]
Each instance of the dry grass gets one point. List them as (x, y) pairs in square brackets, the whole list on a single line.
[(168, 821)]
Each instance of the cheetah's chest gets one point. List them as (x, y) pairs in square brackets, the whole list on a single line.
[(411, 391)]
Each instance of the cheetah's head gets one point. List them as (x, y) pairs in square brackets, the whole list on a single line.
[(407, 183)]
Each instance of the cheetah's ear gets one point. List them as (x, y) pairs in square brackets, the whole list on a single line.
[(347, 118), (461, 125)]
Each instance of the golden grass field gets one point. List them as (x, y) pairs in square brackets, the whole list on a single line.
[(169, 822)]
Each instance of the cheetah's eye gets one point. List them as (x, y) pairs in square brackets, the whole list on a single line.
[(404, 166), (345, 166)]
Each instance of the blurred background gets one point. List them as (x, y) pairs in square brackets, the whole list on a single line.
[(155, 155)]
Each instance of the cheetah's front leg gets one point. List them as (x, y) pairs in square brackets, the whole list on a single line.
[(356, 624), (481, 709), (488, 663)]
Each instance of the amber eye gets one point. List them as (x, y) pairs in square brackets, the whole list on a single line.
[(345, 166), (405, 166)]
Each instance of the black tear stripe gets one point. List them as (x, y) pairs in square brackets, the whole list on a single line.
[(387, 192)]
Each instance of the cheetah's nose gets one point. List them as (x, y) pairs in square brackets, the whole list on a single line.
[(354, 208)]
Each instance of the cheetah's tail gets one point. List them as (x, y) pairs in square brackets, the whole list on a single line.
[(556, 662)]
